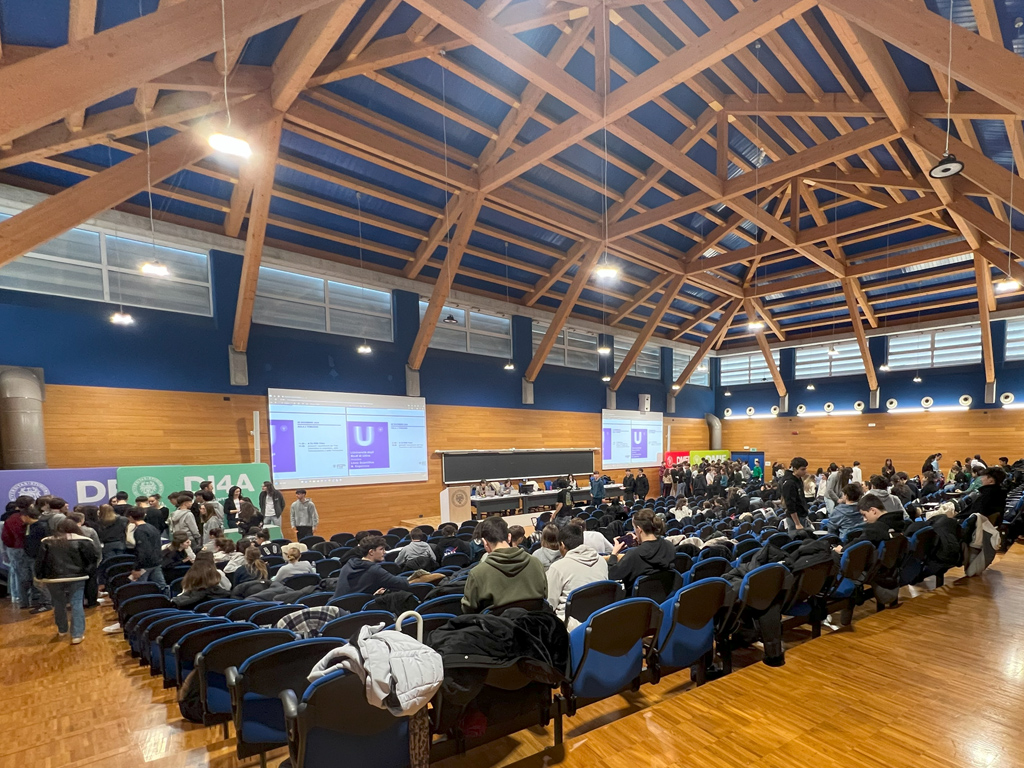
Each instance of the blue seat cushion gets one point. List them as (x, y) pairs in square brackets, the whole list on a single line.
[(262, 720), (218, 698)]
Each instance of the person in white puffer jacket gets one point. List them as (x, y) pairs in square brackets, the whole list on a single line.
[(400, 673)]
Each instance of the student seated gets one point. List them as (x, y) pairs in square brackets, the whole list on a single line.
[(203, 582), (267, 547), (225, 552), (880, 488), (991, 495), (449, 543), (548, 551), (364, 573), (845, 516), (645, 551), (293, 566), (516, 535), (417, 555), (252, 567), (507, 575), (879, 523), (577, 566), (593, 539)]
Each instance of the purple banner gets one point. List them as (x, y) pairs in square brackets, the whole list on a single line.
[(368, 445), (638, 444), (86, 485), (282, 444), (606, 444)]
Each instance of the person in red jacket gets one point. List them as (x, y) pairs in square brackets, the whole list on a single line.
[(28, 595)]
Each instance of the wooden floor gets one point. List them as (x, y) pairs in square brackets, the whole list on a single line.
[(935, 683)]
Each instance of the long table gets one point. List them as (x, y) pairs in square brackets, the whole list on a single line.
[(522, 503)]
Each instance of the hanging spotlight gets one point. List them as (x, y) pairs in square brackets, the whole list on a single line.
[(832, 351), (364, 349), (884, 367), (450, 320), (510, 366), (755, 326), (727, 393), (676, 386), (122, 318), (702, 368), (1006, 286), (918, 379), (607, 271), (948, 166), (606, 377), (604, 350), (810, 387), (231, 145), (156, 269)]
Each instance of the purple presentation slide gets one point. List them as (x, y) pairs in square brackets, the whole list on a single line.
[(606, 444), (368, 445), (282, 444), (638, 444)]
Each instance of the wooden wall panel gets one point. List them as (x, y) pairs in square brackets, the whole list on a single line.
[(686, 434), (906, 438), (96, 426)]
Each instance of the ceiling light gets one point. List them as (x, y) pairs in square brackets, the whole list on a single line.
[(364, 349), (918, 379), (230, 145), (603, 350), (450, 319), (948, 166), (510, 366), (702, 368), (727, 393), (1007, 285), (606, 377), (122, 318), (156, 269), (810, 387), (832, 351), (607, 271), (676, 386), (755, 326), (884, 367)]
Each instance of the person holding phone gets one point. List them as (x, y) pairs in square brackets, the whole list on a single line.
[(645, 551)]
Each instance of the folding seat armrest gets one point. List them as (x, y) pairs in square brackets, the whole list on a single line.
[(290, 704), (232, 679)]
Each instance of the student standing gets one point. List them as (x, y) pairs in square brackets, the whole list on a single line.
[(66, 560), (643, 486), (304, 516), (271, 504), (629, 486), (791, 490), (597, 484)]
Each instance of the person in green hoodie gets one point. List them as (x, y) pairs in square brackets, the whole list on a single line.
[(507, 575)]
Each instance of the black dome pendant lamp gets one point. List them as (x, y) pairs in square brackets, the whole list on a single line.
[(948, 166)]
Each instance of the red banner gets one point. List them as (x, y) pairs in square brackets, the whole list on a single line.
[(676, 457)]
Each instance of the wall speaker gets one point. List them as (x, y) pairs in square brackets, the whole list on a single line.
[(927, 402), (750, 410), (645, 403), (775, 410), (1006, 398), (891, 403), (966, 399), (728, 411), (858, 406), (829, 407), (801, 408)]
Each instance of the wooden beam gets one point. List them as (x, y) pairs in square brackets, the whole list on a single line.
[(453, 211), (701, 317), (59, 213), (591, 253), (85, 72), (762, 343), (667, 297), (766, 316), (983, 277), (864, 302), (543, 285), (994, 229), (81, 24), (985, 66), (712, 339), (783, 234), (858, 331), (307, 45), (443, 285), (489, 36), (240, 197), (638, 299), (263, 163)]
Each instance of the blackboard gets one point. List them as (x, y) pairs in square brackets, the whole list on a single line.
[(514, 465)]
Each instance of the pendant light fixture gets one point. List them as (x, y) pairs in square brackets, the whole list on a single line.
[(605, 270), (509, 366), (949, 165), (225, 141), (1008, 284)]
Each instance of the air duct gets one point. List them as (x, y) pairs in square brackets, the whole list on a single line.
[(22, 441), (714, 431)]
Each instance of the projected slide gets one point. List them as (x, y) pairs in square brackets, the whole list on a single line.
[(630, 439), (337, 438)]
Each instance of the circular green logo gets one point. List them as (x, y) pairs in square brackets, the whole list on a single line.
[(147, 485)]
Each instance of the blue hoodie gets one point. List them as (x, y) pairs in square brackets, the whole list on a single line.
[(843, 519)]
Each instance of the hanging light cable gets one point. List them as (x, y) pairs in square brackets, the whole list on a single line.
[(364, 348), (1008, 284), (949, 165), (225, 141), (605, 269), (509, 366)]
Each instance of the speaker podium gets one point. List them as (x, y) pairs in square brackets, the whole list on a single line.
[(455, 504)]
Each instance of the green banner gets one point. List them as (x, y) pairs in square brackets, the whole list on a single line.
[(143, 481), (696, 457)]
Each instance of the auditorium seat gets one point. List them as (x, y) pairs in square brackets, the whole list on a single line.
[(706, 569), (431, 621), (301, 581), (761, 589), (584, 601), (657, 586), (346, 627), (687, 633), (352, 602), (186, 649), (445, 604), (248, 609), (269, 616), (315, 599), (163, 653)]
